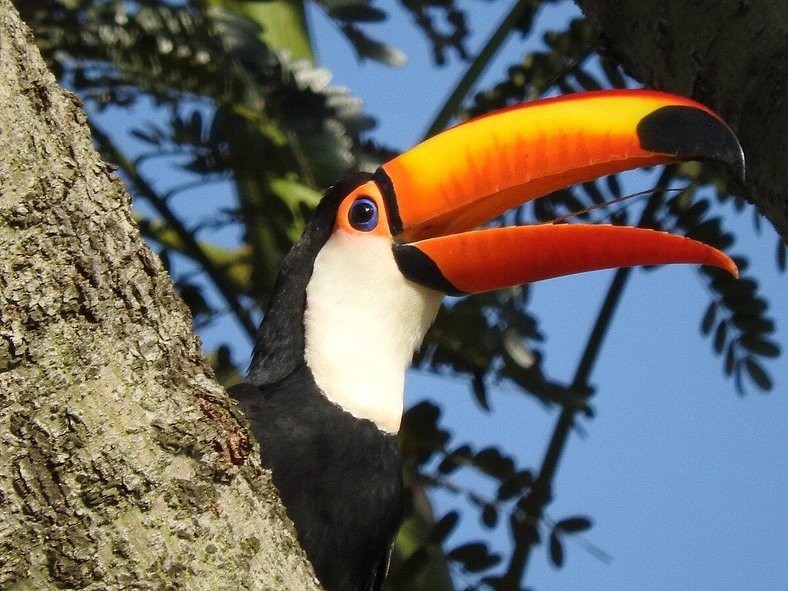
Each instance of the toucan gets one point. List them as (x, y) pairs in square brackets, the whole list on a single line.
[(357, 293)]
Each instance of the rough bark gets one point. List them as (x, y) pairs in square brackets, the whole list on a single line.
[(122, 463), (731, 55)]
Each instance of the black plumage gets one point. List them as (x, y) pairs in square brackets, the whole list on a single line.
[(339, 476)]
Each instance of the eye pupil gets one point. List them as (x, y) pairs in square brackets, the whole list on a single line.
[(363, 214)]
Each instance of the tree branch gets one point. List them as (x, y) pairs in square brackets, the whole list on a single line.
[(122, 462)]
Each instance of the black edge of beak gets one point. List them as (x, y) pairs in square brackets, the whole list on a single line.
[(421, 269), (691, 134), (383, 181)]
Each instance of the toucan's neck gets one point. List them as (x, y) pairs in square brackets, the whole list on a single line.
[(362, 323), (279, 345), (342, 307)]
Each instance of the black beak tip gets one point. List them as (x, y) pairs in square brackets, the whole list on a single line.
[(692, 134)]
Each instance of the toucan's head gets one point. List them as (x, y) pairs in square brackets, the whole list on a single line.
[(392, 243)]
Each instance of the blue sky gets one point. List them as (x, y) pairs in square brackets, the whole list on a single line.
[(685, 480)]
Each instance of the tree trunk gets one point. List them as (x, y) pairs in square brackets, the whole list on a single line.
[(122, 462), (729, 54)]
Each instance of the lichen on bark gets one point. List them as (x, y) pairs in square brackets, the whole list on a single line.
[(122, 462)]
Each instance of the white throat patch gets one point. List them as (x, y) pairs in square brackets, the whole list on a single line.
[(362, 323)]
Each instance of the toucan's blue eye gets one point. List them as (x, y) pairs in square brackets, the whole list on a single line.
[(363, 214)]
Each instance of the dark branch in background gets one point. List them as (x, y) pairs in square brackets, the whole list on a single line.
[(542, 490), (452, 105)]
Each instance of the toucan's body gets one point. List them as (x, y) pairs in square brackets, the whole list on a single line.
[(339, 477), (358, 292)]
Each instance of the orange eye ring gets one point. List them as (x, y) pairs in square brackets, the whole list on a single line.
[(363, 212)]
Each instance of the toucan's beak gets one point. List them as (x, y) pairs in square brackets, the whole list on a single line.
[(438, 191)]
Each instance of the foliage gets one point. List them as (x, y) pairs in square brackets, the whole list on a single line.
[(227, 107)]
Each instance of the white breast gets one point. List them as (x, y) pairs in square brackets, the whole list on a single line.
[(363, 322)]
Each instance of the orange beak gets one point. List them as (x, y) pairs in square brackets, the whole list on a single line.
[(438, 191)]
